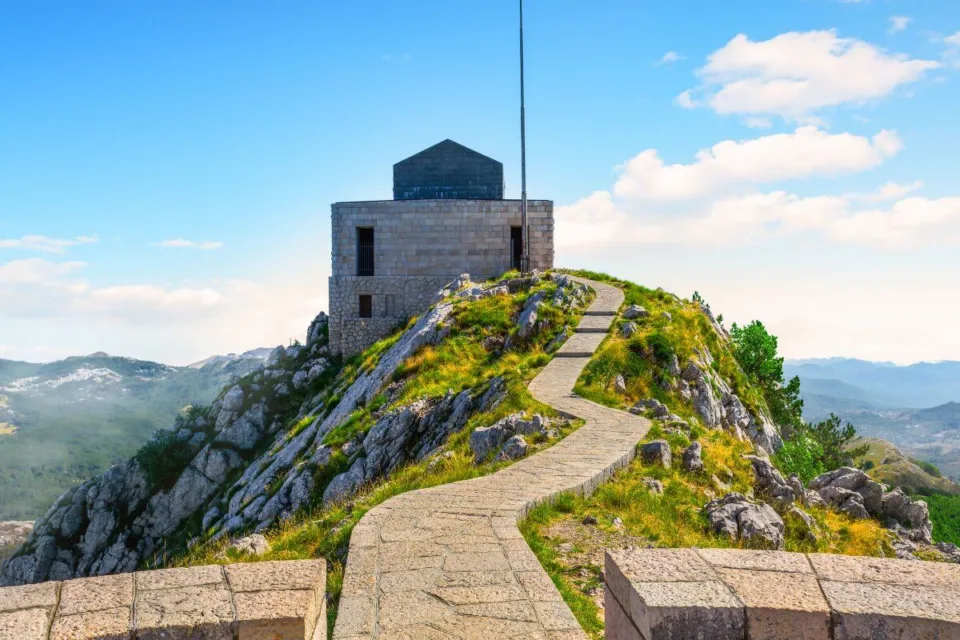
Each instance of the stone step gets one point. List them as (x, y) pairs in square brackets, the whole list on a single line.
[(590, 330), (599, 313), (573, 354)]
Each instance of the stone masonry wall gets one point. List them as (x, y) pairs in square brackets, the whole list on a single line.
[(729, 594), (419, 246), (254, 601)]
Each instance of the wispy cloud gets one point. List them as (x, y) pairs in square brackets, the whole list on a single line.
[(180, 243), (396, 57), (45, 244), (898, 23), (671, 56)]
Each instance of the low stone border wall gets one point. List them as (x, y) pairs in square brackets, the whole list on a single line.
[(257, 601), (725, 594)]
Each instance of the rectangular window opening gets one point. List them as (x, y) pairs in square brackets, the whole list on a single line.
[(389, 305), (365, 251), (366, 306)]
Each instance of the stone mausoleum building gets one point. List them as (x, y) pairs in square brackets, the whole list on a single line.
[(447, 217)]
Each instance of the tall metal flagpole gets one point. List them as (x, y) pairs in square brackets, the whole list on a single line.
[(525, 254)]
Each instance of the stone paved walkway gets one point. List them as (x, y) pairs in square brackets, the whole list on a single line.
[(449, 562)]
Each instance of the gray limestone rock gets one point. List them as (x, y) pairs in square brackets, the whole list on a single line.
[(770, 483), (757, 525), (657, 452), (514, 448), (693, 457), (528, 320), (344, 485), (254, 545), (232, 399), (635, 311), (628, 329)]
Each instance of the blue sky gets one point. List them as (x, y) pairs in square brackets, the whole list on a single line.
[(166, 169)]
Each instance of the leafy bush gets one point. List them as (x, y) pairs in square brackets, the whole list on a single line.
[(802, 456), (660, 346), (929, 467), (164, 458), (945, 515)]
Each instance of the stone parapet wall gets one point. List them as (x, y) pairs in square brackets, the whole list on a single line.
[(722, 594), (257, 601)]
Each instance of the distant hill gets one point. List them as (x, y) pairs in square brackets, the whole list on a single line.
[(916, 407), (62, 422), (886, 463)]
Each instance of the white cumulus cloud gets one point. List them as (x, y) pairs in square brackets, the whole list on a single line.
[(671, 56), (793, 75), (806, 152)]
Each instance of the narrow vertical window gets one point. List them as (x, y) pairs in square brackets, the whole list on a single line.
[(390, 305), (365, 251), (366, 306), (516, 247)]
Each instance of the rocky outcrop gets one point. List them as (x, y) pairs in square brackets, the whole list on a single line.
[(716, 404), (485, 441), (693, 457), (260, 452), (851, 491), (757, 525)]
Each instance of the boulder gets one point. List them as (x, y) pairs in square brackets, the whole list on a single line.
[(254, 545), (769, 483), (849, 490), (528, 320), (914, 515), (693, 457), (514, 448), (232, 399), (628, 329), (757, 525), (344, 485), (635, 311), (656, 452)]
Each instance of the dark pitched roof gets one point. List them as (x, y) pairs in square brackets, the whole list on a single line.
[(448, 170)]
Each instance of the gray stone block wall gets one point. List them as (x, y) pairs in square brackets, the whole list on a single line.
[(419, 246)]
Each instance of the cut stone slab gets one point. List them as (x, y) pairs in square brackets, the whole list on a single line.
[(783, 561), (278, 615), (617, 624), (885, 570), (277, 576), (187, 612), (26, 624), (176, 578), (96, 594), (867, 610), (105, 624), (29, 596), (780, 605), (686, 610)]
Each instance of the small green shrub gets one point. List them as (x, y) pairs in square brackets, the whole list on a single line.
[(164, 458), (929, 467), (945, 515), (802, 456), (660, 346)]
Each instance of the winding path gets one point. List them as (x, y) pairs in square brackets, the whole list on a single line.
[(449, 561)]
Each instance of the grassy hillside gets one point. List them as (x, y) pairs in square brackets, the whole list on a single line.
[(459, 362), (887, 464), (626, 511)]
